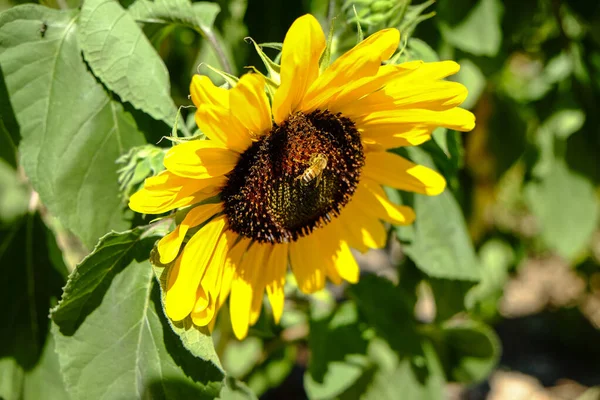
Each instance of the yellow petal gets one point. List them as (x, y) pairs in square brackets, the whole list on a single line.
[(277, 266), (345, 263), (172, 273), (181, 297), (371, 198), (302, 48), (232, 263), (259, 281), (395, 171), (361, 61), (168, 191), (168, 246), (363, 231), (204, 317), (389, 136), (220, 125), (246, 286), (353, 91), (433, 71), (212, 279), (455, 118), (351, 236), (200, 159), (202, 300), (308, 263), (205, 93), (251, 105), (435, 96)]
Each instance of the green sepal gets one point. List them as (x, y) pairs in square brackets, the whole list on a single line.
[(139, 163), (273, 69)]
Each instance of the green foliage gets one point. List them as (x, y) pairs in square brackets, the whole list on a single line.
[(566, 207), (121, 56), (478, 32), (31, 282), (57, 119), (88, 88), (439, 242), (111, 285)]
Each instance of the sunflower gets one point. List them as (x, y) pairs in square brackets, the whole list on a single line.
[(296, 179)]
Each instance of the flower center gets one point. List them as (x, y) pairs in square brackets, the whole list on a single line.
[(296, 178)]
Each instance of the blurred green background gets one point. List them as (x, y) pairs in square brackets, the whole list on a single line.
[(527, 181)]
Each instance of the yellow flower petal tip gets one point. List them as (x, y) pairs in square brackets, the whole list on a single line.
[(434, 183)]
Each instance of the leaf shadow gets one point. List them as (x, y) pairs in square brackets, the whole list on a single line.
[(196, 368), (63, 319)]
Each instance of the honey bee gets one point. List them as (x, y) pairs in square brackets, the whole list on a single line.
[(317, 164)]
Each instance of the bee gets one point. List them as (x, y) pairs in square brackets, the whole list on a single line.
[(317, 164)]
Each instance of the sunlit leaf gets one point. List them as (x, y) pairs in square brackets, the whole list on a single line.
[(125, 347), (240, 357), (496, 257), (199, 16), (565, 122), (479, 33), (471, 76), (566, 207), (122, 57), (72, 130), (14, 196), (438, 242), (90, 280)]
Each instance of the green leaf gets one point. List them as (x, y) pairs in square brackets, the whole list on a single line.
[(30, 283), (235, 390), (241, 356), (123, 59), (449, 296), (496, 258), (72, 130), (9, 128), (469, 350), (14, 196), (419, 376), (439, 242), (337, 353), (43, 381), (471, 76), (199, 16), (195, 340), (138, 164), (479, 33), (273, 371), (125, 347), (419, 50), (566, 207), (90, 280), (387, 310), (565, 122)]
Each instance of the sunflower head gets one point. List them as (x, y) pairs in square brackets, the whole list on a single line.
[(294, 179)]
